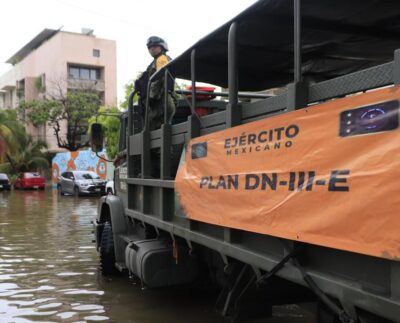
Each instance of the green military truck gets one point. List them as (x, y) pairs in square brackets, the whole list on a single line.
[(292, 191)]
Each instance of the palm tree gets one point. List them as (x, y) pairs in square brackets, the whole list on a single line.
[(28, 157), (10, 132), (18, 151)]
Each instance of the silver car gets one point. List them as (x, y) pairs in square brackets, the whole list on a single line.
[(81, 183)]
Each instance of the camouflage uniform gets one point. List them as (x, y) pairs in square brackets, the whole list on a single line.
[(156, 95)]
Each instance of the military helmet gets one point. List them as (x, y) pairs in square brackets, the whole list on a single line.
[(157, 41)]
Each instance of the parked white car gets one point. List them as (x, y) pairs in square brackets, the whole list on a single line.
[(110, 187), (81, 183)]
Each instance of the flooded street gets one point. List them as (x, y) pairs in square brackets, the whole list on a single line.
[(49, 270)]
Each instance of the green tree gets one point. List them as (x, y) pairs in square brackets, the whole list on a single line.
[(10, 132), (108, 118), (27, 157), (73, 109), (129, 87), (111, 124)]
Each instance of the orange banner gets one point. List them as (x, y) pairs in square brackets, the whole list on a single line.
[(326, 175)]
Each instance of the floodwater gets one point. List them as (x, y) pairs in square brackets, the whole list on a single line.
[(49, 271)]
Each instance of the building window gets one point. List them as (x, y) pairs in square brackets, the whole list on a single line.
[(96, 52), (94, 74), (74, 72), (84, 73)]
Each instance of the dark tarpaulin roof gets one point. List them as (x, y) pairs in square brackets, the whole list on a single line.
[(338, 37)]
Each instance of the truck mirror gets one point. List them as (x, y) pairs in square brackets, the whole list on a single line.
[(96, 137)]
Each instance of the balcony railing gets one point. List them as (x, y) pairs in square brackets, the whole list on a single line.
[(77, 84)]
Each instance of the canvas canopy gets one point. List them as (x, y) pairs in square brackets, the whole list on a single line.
[(338, 37)]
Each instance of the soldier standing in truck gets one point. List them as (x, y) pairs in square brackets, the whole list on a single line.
[(157, 48)]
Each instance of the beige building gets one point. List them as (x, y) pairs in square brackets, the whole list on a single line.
[(57, 61)]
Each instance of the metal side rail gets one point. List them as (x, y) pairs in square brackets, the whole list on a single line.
[(348, 292)]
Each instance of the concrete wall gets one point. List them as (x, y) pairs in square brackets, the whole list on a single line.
[(81, 160), (52, 59)]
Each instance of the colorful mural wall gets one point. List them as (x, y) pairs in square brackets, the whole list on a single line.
[(81, 160)]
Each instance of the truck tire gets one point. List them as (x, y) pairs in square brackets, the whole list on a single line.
[(107, 254)]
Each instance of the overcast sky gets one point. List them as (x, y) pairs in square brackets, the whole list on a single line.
[(181, 23)]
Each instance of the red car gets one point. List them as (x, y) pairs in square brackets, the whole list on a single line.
[(30, 180)]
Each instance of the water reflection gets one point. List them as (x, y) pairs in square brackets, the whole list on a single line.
[(49, 270), (47, 259)]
